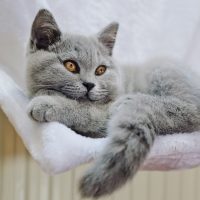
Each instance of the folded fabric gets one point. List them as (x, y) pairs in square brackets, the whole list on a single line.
[(57, 148)]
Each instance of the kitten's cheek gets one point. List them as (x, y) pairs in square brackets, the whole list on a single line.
[(74, 93)]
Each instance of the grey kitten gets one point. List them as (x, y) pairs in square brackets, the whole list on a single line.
[(160, 97), (71, 78)]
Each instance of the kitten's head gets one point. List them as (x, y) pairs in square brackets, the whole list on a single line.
[(79, 67)]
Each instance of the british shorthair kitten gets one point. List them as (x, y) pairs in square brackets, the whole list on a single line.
[(73, 79)]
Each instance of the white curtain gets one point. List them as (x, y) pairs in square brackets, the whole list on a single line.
[(148, 28)]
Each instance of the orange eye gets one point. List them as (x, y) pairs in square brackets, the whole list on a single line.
[(71, 66), (100, 70)]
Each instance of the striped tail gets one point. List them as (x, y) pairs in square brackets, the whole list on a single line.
[(128, 147)]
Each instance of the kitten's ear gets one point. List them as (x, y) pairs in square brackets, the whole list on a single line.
[(44, 31), (108, 35)]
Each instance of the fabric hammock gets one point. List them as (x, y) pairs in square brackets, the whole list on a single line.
[(148, 29)]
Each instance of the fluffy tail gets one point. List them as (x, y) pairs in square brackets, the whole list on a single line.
[(127, 149)]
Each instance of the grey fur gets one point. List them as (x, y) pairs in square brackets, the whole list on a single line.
[(160, 97), (59, 95)]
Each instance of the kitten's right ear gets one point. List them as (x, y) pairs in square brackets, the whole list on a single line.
[(108, 35), (45, 31)]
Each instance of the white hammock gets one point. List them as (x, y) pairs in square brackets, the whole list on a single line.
[(56, 148)]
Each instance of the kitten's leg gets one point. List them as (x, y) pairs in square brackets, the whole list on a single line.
[(136, 121), (44, 108), (82, 117)]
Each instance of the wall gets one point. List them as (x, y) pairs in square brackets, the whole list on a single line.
[(22, 179)]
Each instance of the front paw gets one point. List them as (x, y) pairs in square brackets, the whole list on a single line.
[(42, 110), (120, 103)]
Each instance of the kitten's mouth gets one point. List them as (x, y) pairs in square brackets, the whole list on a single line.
[(88, 97)]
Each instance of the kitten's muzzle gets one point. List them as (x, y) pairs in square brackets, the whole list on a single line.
[(88, 85)]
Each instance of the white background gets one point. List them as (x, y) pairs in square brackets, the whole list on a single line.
[(148, 28)]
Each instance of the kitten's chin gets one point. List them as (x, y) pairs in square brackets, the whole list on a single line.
[(101, 100), (90, 97)]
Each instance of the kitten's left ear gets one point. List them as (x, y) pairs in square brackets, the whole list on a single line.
[(108, 35), (45, 31)]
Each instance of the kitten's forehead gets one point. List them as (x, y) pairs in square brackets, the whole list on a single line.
[(86, 50)]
